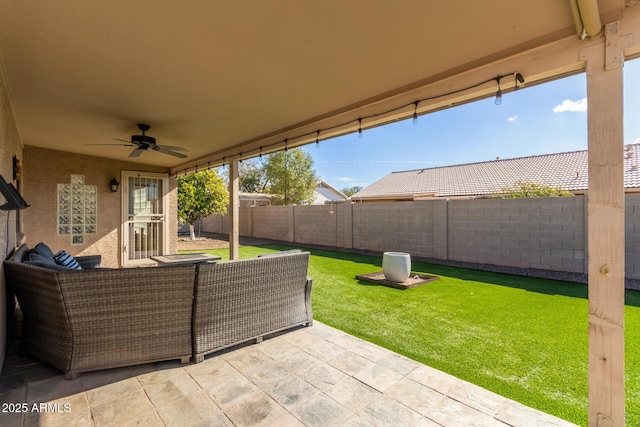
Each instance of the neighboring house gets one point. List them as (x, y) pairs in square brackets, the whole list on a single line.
[(325, 194), (255, 199), (476, 180)]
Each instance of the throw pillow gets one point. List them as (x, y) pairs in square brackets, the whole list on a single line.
[(42, 249), (63, 258)]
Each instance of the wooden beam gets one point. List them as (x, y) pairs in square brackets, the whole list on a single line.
[(605, 218), (234, 210)]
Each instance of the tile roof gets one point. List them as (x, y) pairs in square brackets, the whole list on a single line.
[(565, 170)]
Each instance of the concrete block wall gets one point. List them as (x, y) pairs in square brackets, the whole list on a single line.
[(212, 224), (318, 225), (345, 222), (548, 234), (440, 226), (220, 223), (246, 221), (273, 222), (632, 235), (401, 226)]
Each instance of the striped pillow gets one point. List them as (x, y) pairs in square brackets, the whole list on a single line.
[(63, 258)]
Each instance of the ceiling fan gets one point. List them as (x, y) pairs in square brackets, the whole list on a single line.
[(144, 142)]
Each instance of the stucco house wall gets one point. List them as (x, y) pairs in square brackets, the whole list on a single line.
[(10, 145), (47, 168), (325, 193)]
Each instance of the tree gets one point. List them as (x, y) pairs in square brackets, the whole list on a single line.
[(350, 191), (524, 189), (201, 194), (252, 177), (290, 177)]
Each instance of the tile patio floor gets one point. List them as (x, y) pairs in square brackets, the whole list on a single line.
[(316, 376)]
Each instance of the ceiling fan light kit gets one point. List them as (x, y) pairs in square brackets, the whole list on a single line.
[(143, 139)]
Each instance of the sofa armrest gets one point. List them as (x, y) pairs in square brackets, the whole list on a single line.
[(307, 299), (46, 330), (89, 261)]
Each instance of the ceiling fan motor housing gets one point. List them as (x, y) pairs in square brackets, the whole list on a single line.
[(143, 139)]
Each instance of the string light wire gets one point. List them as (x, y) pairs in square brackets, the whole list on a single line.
[(516, 75)]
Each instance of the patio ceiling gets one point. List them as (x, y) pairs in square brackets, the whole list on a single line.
[(212, 76)]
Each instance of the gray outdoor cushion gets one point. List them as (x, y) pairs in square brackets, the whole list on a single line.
[(43, 261), (42, 249)]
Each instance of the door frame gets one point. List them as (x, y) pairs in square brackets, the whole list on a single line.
[(125, 175)]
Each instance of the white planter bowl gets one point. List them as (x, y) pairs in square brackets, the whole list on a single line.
[(396, 266)]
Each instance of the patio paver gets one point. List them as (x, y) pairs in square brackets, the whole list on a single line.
[(316, 376)]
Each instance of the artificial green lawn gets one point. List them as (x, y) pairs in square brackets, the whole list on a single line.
[(523, 338)]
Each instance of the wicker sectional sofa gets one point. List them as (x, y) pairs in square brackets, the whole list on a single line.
[(92, 319), (242, 300)]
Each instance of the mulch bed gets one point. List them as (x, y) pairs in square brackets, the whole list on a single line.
[(215, 241)]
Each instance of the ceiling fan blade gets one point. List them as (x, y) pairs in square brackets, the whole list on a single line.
[(116, 145), (173, 148), (123, 140), (163, 149), (136, 152)]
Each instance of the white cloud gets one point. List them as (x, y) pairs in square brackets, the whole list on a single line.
[(345, 179), (578, 106), (512, 119)]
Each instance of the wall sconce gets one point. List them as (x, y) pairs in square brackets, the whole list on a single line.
[(114, 185), (17, 169)]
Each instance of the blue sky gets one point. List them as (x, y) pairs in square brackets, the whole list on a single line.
[(548, 118)]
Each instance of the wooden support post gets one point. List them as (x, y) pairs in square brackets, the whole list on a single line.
[(234, 210), (605, 217)]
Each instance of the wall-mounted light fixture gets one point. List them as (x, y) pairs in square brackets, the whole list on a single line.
[(17, 169), (114, 185)]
